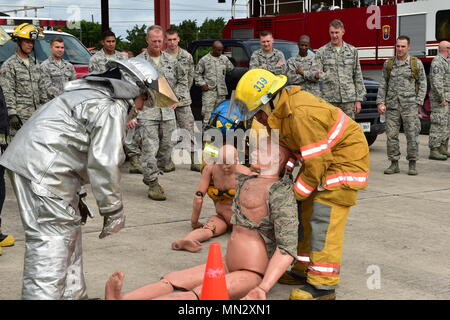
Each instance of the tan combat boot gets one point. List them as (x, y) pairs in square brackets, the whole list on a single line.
[(443, 149), (194, 166), (169, 167), (155, 191), (393, 168), (412, 168), (136, 166), (436, 155)]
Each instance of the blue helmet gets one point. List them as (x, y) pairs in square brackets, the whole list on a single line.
[(225, 118)]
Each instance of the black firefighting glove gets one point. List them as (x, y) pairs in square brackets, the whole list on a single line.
[(15, 122), (84, 209)]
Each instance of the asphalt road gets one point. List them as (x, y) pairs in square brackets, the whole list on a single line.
[(396, 242)]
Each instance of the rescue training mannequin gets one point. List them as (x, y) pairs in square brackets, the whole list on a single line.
[(218, 180), (73, 140), (262, 244)]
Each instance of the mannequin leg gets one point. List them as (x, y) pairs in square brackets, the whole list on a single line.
[(239, 283), (215, 226), (114, 284), (186, 279)]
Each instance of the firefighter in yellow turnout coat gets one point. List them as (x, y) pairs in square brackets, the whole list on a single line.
[(334, 158)]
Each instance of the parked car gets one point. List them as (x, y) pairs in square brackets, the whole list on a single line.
[(239, 52), (75, 52)]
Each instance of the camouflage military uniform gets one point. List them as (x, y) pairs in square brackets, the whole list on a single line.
[(279, 228), (342, 77), (154, 133), (211, 70), (22, 87), (401, 100), (183, 112), (55, 74), (268, 61), (97, 63), (440, 91), (307, 81)]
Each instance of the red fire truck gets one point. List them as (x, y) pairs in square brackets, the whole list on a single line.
[(371, 25)]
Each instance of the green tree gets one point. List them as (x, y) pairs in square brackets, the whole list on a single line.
[(211, 28), (188, 32), (135, 39), (89, 34)]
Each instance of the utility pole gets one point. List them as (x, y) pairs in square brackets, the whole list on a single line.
[(162, 13), (105, 15)]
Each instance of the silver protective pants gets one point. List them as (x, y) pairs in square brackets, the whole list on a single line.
[(53, 265)]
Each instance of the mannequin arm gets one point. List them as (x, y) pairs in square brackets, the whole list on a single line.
[(197, 203)]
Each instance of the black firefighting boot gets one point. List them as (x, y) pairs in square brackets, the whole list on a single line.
[(309, 292), (435, 154), (155, 191), (293, 277), (135, 165), (443, 149), (412, 168), (393, 168), (195, 166)]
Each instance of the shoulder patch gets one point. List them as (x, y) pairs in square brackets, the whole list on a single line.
[(436, 70)]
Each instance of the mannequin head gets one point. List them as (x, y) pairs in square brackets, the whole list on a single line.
[(270, 158), (227, 158)]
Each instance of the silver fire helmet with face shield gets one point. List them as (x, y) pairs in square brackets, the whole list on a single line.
[(141, 73)]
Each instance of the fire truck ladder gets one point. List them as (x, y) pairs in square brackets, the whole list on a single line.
[(305, 5), (23, 8)]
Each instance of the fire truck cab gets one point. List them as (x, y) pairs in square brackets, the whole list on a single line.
[(75, 52)]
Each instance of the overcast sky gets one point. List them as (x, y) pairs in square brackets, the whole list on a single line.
[(124, 14)]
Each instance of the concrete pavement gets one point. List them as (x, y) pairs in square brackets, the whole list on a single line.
[(396, 243)]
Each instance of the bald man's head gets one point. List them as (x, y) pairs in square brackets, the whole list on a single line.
[(217, 48), (444, 49)]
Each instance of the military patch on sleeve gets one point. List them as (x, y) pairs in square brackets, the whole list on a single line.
[(435, 70)]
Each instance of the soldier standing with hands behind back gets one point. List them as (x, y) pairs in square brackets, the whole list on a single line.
[(268, 57), (210, 76), (98, 61), (20, 78), (183, 112), (439, 98), (337, 64), (55, 70), (402, 90)]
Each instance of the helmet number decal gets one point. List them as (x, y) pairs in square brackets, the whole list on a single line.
[(260, 84)]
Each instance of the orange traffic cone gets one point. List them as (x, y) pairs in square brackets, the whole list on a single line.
[(214, 284)]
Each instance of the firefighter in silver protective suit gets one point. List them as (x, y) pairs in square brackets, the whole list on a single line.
[(73, 140)]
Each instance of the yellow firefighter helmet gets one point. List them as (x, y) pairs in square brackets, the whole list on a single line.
[(256, 88), (27, 31)]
